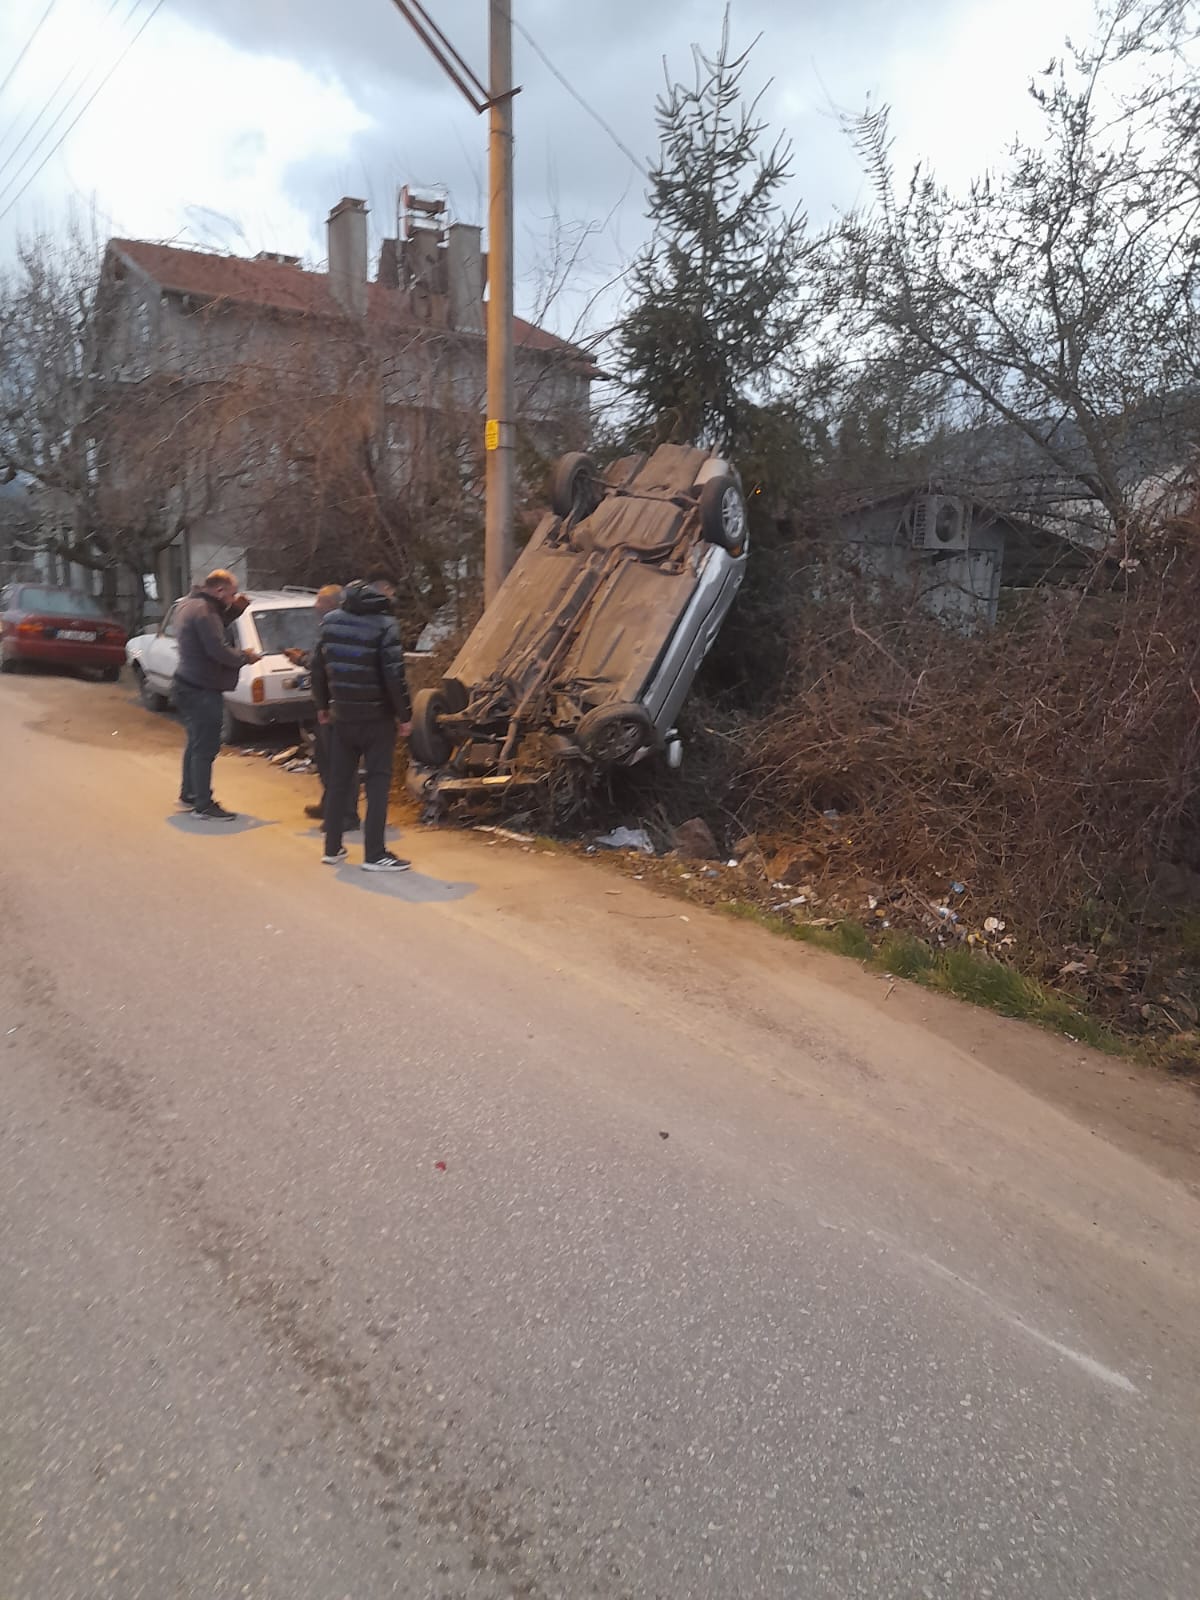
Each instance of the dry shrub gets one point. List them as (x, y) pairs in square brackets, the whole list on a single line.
[(1049, 763)]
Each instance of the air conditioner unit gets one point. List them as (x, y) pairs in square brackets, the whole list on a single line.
[(940, 522)]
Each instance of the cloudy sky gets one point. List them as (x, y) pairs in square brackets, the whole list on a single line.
[(236, 124)]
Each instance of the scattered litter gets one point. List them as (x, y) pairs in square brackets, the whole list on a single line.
[(685, 874), (993, 925), (832, 816), (439, 1166), (731, 863), (501, 833), (958, 888), (872, 902), (890, 993), (627, 839), (685, 919), (285, 756), (663, 1135)]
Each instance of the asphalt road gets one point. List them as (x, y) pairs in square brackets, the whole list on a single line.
[(507, 1230)]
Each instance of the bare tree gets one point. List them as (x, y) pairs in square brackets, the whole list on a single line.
[(1052, 309)]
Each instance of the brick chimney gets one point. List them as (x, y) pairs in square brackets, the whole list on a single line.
[(348, 255)]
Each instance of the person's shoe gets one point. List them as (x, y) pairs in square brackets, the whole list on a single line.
[(214, 812), (387, 862), (317, 813), (336, 859)]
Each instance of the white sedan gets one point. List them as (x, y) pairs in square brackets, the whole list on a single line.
[(271, 691)]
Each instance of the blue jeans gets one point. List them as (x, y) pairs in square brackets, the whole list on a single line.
[(202, 711)]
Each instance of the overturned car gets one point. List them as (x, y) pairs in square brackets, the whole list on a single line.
[(589, 649)]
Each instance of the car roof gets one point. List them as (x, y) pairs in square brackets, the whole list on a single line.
[(273, 599)]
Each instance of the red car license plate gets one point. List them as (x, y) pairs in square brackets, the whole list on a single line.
[(74, 633)]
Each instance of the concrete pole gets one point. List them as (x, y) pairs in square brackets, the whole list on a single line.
[(500, 433)]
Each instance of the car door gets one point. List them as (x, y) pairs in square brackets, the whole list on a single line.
[(161, 655)]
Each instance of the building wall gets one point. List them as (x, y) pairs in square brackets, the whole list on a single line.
[(958, 586)]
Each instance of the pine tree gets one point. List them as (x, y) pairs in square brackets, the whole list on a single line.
[(715, 300)]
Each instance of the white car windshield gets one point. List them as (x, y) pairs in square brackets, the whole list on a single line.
[(286, 628)]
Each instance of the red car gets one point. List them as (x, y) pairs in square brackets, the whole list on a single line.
[(60, 627)]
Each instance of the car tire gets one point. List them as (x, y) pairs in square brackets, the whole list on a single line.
[(151, 699), (612, 734), (110, 674), (723, 518), (574, 490), (7, 664), (431, 745)]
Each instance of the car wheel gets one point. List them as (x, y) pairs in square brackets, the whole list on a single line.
[(723, 517), (151, 699), (7, 664), (574, 489), (612, 734), (110, 674), (430, 744)]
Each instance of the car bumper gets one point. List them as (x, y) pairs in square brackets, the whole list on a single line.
[(272, 713), (64, 653)]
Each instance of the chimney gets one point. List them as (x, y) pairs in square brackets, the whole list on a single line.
[(348, 256), (388, 272), (464, 276)]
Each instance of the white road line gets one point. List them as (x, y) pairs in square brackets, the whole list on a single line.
[(1094, 1369)]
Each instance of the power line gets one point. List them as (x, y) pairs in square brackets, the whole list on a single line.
[(83, 110), (575, 95), (52, 97), (37, 29)]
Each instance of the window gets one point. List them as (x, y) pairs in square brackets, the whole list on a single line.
[(286, 628), (57, 602), (168, 626)]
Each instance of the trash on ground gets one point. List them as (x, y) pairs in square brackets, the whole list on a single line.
[(627, 839), (694, 840)]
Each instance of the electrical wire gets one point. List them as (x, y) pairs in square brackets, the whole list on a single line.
[(575, 95), (53, 96), (82, 112), (37, 28)]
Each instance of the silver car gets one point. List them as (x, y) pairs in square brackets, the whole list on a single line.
[(589, 649)]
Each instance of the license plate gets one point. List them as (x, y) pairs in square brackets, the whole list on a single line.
[(79, 638)]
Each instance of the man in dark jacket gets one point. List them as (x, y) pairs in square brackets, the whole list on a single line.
[(207, 667), (326, 600), (361, 692)]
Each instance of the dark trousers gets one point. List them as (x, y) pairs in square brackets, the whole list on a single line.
[(202, 711), (323, 751), (374, 744)]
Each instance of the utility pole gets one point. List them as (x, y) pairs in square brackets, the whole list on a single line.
[(499, 436), (496, 100)]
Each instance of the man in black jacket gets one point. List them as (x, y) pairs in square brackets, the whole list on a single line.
[(207, 667), (361, 692)]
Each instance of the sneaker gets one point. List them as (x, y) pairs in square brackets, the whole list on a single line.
[(317, 813), (336, 859), (387, 862), (214, 812)]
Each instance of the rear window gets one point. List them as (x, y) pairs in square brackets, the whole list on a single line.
[(58, 602), (286, 628)]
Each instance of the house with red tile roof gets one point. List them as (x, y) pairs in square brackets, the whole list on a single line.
[(264, 365)]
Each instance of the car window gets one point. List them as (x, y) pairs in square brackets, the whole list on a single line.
[(286, 628), (58, 602), (168, 627)]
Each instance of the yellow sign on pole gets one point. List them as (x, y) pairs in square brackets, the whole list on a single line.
[(491, 435)]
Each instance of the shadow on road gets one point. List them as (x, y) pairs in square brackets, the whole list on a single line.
[(185, 822), (413, 887)]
